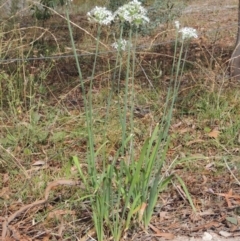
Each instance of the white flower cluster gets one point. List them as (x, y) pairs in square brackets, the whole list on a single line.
[(68, 2), (121, 44), (100, 15), (187, 33), (132, 12), (177, 24)]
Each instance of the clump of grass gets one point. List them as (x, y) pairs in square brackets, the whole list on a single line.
[(125, 189), (122, 188)]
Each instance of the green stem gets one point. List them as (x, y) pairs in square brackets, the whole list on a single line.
[(124, 117)]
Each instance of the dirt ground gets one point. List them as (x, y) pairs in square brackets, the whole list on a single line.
[(222, 15), (216, 222), (207, 237)]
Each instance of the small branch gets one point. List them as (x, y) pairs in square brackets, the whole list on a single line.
[(8, 220)]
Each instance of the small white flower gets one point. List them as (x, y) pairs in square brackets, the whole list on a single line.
[(68, 2), (132, 12), (100, 15), (177, 24), (188, 33), (121, 44)]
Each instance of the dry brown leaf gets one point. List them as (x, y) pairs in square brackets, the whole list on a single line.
[(61, 228), (164, 216), (15, 233), (207, 212), (209, 165), (209, 225), (174, 126), (39, 163), (5, 178), (8, 239), (194, 141), (184, 130), (227, 196), (204, 181), (34, 169), (56, 183), (25, 239), (158, 233), (57, 213), (4, 193), (46, 238), (214, 133), (90, 233), (141, 211)]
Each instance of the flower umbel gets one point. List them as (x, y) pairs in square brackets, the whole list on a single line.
[(121, 44), (132, 12), (177, 24), (188, 33), (100, 15)]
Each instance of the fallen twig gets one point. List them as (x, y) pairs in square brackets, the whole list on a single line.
[(8, 220)]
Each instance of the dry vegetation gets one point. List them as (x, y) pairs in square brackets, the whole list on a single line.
[(43, 125)]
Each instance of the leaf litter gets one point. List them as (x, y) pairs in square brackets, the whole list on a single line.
[(214, 194)]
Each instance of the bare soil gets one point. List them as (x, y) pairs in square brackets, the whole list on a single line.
[(216, 23), (206, 17)]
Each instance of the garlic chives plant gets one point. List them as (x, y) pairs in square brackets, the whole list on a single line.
[(133, 13), (137, 180), (121, 45), (188, 33), (100, 15)]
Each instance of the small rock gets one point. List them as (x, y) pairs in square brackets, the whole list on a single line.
[(225, 234), (207, 236)]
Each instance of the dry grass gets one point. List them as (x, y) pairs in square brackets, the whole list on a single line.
[(43, 125)]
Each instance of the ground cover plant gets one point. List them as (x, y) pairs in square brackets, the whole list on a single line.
[(109, 135)]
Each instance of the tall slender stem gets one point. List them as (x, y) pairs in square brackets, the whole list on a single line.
[(238, 32)]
